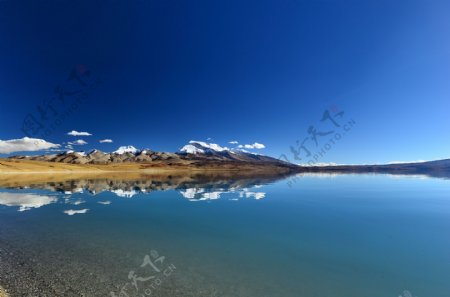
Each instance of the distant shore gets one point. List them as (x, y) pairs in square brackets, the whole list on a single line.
[(14, 167)]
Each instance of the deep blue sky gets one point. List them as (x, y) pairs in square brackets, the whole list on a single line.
[(252, 71)]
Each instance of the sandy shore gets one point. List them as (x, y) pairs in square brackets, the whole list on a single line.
[(3, 293)]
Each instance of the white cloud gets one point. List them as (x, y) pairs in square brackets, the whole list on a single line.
[(76, 133), (252, 146), (77, 202), (256, 195), (25, 201), (258, 145), (106, 141), (71, 212), (54, 150), (78, 142), (407, 162), (25, 144), (104, 202), (233, 142)]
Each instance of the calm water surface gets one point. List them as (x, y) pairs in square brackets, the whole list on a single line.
[(326, 236)]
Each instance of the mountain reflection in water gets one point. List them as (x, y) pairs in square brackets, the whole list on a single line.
[(193, 187)]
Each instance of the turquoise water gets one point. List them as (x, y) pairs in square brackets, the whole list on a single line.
[(344, 235)]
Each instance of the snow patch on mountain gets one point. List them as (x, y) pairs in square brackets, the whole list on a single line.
[(83, 154), (125, 193), (191, 149), (196, 147), (126, 149), (212, 146)]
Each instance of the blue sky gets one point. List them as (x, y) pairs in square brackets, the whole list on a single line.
[(251, 71)]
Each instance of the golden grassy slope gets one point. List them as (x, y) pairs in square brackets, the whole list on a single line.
[(8, 166), (29, 166), (14, 173)]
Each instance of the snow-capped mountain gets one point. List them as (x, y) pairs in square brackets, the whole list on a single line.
[(202, 150), (200, 147), (126, 149), (198, 154)]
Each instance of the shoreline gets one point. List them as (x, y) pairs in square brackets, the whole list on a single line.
[(21, 168), (3, 292)]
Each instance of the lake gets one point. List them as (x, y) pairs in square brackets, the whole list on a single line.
[(305, 235)]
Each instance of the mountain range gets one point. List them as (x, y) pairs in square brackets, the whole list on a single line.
[(202, 155), (194, 151)]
